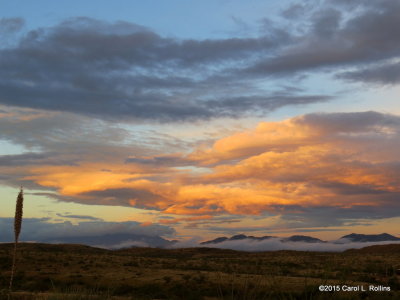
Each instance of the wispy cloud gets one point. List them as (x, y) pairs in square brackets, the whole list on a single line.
[(79, 217)]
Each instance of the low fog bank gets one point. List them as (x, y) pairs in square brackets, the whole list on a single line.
[(118, 235), (274, 244)]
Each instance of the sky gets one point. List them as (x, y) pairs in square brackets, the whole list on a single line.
[(190, 120)]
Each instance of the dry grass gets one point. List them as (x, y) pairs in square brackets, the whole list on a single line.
[(81, 272), (72, 271)]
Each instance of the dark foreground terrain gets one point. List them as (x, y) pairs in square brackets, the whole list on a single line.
[(80, 272)]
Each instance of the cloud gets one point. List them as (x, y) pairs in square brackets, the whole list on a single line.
[(294, 11), (51, 141), (96, 232), (10, 25), (268, 229), (80, 217), (55, 134), (300, 216), (53, 131), (125, 71), (337, 36), (126, 196), (312, 160), (284, 137), (386, 74), (178, 220), (142, 76), (161, 160), (274, 244), (314, 170), (32, 158)]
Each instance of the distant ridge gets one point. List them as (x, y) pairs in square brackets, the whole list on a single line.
[(302, 238), (239, 242), (293, 238), (236, 238), (384, 249), (180, 252), (364, 238), (354, 237), (121, 240)]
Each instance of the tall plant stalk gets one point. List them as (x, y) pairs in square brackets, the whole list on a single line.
[(17, 231)]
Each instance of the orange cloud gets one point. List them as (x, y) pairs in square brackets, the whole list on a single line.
[(268, 136), (312, 160), (74, 180)]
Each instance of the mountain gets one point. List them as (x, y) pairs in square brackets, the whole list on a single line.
[(302, 238), (235, 238), (294, 238), (363, 238), (114, 241), (215, 241), (238, 237), (354, 237), (377, 249)]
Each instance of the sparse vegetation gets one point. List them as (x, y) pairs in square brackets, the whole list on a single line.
[(82, 272)]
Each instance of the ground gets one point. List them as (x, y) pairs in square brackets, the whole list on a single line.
[(81, 272)]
